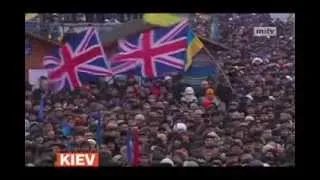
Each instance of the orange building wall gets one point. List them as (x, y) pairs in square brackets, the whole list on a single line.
[(39, 49)]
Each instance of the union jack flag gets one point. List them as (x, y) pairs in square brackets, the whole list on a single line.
[(80, 59), (153, 53)]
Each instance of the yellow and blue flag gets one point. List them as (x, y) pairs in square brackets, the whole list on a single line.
[(194, 46)]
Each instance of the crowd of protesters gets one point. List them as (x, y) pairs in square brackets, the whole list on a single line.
[(251, 123)]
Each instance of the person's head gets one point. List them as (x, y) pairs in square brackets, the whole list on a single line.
[(112, 129), (189, 91), (152, 99), (85, 146), (28, 105), (210, 93), (58, 112), (211, 139), (78, 138), (114, 92), (131, 80), (121, 82), (43, 83), (162, 138), (140, 119), (168, 81), (104, 149), (111, 145), (180, 127), (204, 84), (178, 159), (258, 91), (93, 144), (153, 126)]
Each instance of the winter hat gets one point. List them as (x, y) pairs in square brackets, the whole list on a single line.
[(272, 98), (249, 97), (289, 78), (212, 134), (246, 158), (255, 163), (249, 118), (266, 165), (92, 141), (166, 78), (190, 164), (139, 117), (267, 148), (180, 127), (189, 91), (162, 136), (30, 165), (257, 60), (116, 158), (167, 161), (198, 112)]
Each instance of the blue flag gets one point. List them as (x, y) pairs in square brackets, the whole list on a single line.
[(129, 147), (97, 116), (41, 109), (66, 129)]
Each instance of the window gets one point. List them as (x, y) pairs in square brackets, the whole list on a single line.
[(99, 17), (68, 17), (90, 17)]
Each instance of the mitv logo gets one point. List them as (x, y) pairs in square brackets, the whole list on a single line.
[(77, 160), (265, 31)]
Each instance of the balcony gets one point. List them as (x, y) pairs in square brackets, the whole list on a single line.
[(43, 29)]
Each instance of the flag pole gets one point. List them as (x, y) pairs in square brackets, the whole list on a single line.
[(129, 147), (218, 65), (98, 131)]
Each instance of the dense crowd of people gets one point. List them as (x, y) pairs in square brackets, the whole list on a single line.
[(251, 123)]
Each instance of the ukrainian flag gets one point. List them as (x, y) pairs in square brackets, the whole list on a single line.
[(194, 46)]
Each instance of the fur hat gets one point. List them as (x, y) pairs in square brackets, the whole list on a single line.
[(139, 117), (189, 91), (190, 164), (249, 118), (212, 134), (92, 141), (167, 161), (180, 127), (166, 78)]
